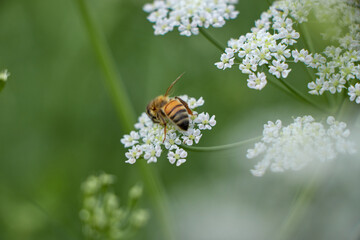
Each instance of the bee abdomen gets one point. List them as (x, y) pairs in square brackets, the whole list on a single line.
[(177, 114), (184, 124)]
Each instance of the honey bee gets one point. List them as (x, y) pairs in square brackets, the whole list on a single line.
[(164, 109)]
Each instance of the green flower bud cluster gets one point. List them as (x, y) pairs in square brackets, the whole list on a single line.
[(101, 213)]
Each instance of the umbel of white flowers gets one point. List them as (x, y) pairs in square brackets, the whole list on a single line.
[(189, 15), (270, 46), (147, 142), (304, 141)]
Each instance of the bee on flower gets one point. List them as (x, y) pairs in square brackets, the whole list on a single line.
[(167, 124)]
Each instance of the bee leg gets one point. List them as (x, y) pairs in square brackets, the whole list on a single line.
[(185, 105), (163, 122), (164, 133)]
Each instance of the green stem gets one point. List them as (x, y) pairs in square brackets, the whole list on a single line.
[(309, 44), (126, 114), (113, 81), (159, 199), (302, 199), (275, 83), (298, 208), (221, 147), (301, 97), (212, 40), (340, 111), (290, 89), (309, 73), (307, 37)]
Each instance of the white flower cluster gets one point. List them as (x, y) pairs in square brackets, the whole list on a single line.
[(296, 145), (189, 15), (338, 67), (338, 14), (148, 141), (267, 45), (101, 214)]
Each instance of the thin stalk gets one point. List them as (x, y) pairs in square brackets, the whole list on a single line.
[(112, 78), (212, 40), (340, 111), (301, 97), (309, 73), (221, 147), (125, 113), (159, 199), (298, 208), (275, 83), (290, 89), (309, 44), (307, 40), (303, 198)]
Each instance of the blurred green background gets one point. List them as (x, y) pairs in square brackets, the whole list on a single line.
[(58, 125)]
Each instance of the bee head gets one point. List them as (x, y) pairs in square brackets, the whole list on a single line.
[(152, 112)]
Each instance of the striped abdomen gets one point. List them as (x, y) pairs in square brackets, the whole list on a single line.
[(177, 113)]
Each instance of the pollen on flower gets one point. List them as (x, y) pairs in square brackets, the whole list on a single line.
[(147, 141), (304, 141), (189, 15)]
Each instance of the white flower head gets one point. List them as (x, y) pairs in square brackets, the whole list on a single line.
[(178, 156), (354, 93), (4, 75), (152, 152), (194, 103), (279, 69), (304, 141), (130, 140), (133, 154), (192, 135), (147, 141), (302, 56), (257, 81), (189, 15), (226, 60), (172, 141), (204, 121)]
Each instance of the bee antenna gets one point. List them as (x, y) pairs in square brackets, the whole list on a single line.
[(173, 83)]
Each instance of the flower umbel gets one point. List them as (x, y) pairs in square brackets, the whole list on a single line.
[(147, 142), (101, 214), (272, 44), (296, 145), (189, 15)]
